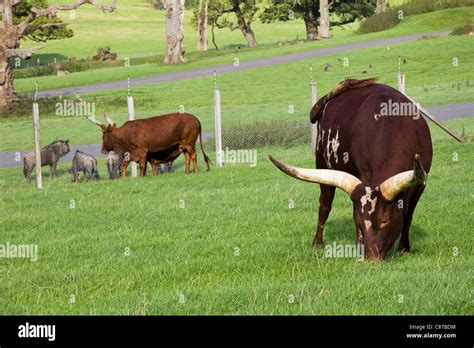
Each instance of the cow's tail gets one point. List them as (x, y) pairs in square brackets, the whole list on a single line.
[(208, 161)]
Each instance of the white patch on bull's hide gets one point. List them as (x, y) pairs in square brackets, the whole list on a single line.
[(335, 145), (366, 199), (368, 224), (328, 150), (332, 146)]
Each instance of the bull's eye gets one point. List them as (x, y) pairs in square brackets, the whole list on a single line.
[(384, 224)]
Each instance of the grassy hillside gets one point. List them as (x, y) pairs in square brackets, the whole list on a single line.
[(440, 20)]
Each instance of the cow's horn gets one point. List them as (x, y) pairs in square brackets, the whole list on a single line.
[(109, 119), (337, 178), (97, 122), (398, 183)]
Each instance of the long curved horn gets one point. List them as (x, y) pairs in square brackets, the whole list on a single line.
[(97, 122), (398, 183), (345, 181), (109, 119)]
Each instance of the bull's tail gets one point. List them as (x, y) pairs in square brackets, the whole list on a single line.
[(208, 161)]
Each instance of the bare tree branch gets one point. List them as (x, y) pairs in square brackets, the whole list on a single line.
[(45, 25), (11, 53), (23, 26), (52, 10)]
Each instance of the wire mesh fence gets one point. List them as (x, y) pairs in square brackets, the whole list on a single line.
[(247, 126)]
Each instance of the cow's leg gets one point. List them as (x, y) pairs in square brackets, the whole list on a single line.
[(124, 168), (187, 162), (142, 163), (325, 202), (154, 164), (404, 245), (195, 162)]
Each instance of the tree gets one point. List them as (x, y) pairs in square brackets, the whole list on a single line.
[(34, 20), (381, 6), (202, 21), (346, 11), (244, 11), (324, 20), (175, 48)]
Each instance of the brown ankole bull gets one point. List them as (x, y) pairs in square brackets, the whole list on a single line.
[(137, 139), (373, 144)]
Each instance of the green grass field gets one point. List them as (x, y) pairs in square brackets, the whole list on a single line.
[(234, 248)]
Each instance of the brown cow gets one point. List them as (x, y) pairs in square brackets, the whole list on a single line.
[(166, 157), (137, 139), (379, 159)]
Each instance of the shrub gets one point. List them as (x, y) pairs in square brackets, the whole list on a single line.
[(384, 21), (379, 22), (465, 29), (414, 7), (41, 70)]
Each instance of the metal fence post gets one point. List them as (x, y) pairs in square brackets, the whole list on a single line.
[(314, 99), (217, 123), (400, 77), (131, 117), (36, 123), (401, 82)]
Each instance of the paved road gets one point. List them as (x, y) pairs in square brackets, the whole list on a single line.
[(442, 112), (221, 69)]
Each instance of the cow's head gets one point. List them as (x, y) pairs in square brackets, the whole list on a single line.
[(378, 213), (108, 136)]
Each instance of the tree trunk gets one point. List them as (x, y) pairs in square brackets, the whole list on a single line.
[(202, 25), (214, 36), (7, 90), (310, 21), (174, 12), (245, 27), (324, 19), (381, 6)]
